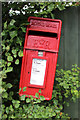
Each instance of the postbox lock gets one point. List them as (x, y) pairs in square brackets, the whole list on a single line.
[(40, 53)]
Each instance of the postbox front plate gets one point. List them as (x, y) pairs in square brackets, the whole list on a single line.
[(40, 56)]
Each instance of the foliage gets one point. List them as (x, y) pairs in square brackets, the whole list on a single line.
[(66, 85), (13, 34)]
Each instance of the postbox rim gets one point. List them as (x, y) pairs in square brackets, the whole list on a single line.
[(45, 19), (30, 51)]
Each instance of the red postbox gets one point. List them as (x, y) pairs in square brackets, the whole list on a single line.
[(40, 56)]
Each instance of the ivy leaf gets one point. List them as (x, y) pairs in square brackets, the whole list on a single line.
[(7, 48), (20, 53), (7, 110), (14, 51), (57, 110), (24, 89), (20, 89), (5, 95), (19, 41), (61, 107), (22, 97), (11, 93), (50, 7), (5, 116), (31, 97), (55, 102), (9, 69), (38, 100), (10, 27), (12, 116), (52, 15), (5, 25), (15, 55), (13, 101), (16, 105), (9, 85), (39, 90), (42, 98), (75, 91), (11, 108), (17, 62), (13, 34), (37, 95), (53, 113), (9, 63), (28, 100), (23, 29), (10, 58), (12, 22), (3, 33)]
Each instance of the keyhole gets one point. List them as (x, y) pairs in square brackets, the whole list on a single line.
[(28, 72)]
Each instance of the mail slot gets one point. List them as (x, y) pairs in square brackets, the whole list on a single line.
[(40, 56)]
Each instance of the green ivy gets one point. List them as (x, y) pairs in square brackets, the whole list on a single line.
[(13, 35), (67, 84)]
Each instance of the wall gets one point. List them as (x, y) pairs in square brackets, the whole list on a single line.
[(69, 52)]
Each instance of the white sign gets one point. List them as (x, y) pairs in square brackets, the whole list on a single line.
[(38, 71)]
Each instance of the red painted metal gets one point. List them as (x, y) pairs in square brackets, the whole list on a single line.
[(43, 35)]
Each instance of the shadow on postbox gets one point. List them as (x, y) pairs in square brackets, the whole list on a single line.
[(40, 56)]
